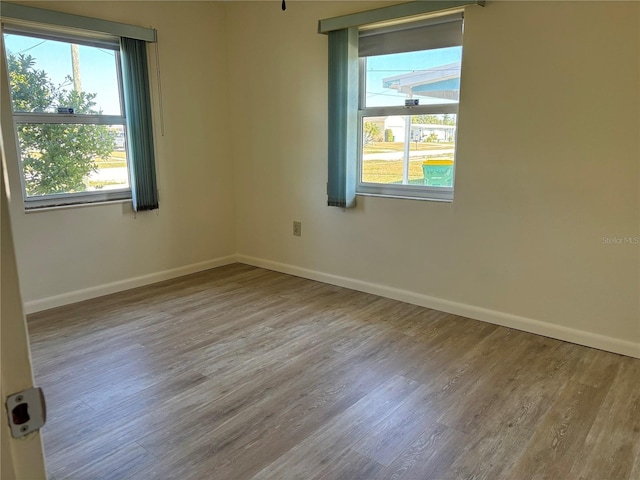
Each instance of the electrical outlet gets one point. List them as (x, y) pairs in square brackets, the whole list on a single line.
[(297, 229)]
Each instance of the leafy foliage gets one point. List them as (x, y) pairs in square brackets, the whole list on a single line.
[(431, 138), (388, 135), (56, 158), (444, 119), (371, 133)]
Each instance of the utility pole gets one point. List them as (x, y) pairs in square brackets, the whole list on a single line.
[(75, 64), (407, 144)]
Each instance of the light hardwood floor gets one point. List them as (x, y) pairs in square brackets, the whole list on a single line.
[(243, 373)]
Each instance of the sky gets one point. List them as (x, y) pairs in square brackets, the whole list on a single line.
[(98, 72), (383, 66)]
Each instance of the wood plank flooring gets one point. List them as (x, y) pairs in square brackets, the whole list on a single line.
[(243, 373)]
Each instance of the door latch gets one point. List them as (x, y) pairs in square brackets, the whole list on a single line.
[(27, 411)]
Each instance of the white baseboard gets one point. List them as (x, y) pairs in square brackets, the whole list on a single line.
[(581, 337), (113, 287)]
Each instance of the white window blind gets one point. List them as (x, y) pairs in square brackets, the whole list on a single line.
[(439, 32)]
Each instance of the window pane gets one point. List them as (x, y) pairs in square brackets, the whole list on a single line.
[(47, 74), (70, 158), (431, 76), (431, 150)]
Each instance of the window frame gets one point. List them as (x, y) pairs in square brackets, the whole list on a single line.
[(412, 192), (110, 42), (342, 68)]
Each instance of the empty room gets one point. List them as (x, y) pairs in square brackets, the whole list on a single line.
[(320, 240)]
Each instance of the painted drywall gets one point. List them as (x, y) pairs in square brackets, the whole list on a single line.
[(80, 249), (547, 177)]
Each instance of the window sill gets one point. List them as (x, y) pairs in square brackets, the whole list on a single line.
[(400, 197), (406, 192), (50, 208)]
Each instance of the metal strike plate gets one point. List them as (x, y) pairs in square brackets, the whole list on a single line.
[(27, 411)]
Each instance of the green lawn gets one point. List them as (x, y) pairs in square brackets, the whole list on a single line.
[(116, 159), (385, 147), (390, 171)]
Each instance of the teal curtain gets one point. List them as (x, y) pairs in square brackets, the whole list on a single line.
[(135, 77), (343, 117)]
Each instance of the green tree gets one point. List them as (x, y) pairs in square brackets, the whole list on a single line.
[(56, 158), (444, 119), (371, 133), (432, 138), (448, 119), (426, 119), (388, 135)]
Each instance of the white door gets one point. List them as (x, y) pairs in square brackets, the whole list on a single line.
[(22, 459)]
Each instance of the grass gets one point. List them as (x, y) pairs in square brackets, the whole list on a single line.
[(115, 160), (103, 183), (110, 164), (390, 171), (385, 147)]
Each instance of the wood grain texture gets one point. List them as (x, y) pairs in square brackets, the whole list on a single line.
[(243, 373)]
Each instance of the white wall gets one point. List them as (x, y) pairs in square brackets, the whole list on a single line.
[(547, 166), (101, 248)]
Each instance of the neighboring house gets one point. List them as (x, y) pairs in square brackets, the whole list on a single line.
[(441, 82), (430, 86), (419, 131)]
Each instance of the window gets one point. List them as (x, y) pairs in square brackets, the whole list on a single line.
[(68, 109), (81, 106), (394, 89), (409, 90)]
